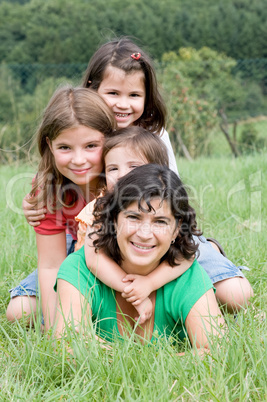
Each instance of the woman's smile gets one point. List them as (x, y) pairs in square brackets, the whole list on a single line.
[(142, 246), (145, 237)]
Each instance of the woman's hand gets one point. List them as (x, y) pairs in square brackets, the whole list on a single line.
[(33, 216), (139, 289)]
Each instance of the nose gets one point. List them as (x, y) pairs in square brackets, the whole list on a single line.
[(122, 102), (78, 158), (145, 230)]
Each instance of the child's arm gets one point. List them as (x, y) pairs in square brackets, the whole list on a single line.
[(103, 267), (140, 286), (51, 253), (135, 288), (32, 215), (100, 264)]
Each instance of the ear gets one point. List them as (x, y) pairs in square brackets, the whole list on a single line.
[(49, 144), (115, 226), (176, 232)]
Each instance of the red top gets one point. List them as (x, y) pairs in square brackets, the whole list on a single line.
[(61, 220)]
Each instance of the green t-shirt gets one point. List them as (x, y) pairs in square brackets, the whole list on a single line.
[(173, 301)]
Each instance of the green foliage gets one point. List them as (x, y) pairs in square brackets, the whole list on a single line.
[(64, 31), (189, 115), (204, 41), (20, 114), (198, 85), (250, 140)]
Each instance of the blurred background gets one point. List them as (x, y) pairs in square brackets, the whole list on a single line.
[(211, 60)]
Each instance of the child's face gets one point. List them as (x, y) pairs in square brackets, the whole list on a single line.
[(118, 162), (78, 155), (125, 94)]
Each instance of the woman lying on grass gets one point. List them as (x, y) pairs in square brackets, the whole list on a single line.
[(145, 220)]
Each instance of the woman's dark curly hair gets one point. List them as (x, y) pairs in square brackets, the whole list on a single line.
[(144, 184)]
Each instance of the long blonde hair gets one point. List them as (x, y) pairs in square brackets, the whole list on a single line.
[(68, 108)]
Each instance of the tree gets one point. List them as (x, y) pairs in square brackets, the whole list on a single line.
[(199, 84)]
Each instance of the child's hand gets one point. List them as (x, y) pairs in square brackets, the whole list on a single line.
[(144, 310), (33, 216), (138, 290)]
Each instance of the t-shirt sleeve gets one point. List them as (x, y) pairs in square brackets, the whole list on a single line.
[(172, 160), (61, 220), (86, 215), (187, 290), (53, 223), (74, 270)]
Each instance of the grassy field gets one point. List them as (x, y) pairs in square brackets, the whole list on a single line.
[(230, 196)]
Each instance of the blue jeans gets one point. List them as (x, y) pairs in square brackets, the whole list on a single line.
[(215, 264)]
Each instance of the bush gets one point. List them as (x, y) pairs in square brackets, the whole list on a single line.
[(250, 140)]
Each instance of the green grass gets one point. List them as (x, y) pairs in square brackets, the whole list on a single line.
[(33, 367)]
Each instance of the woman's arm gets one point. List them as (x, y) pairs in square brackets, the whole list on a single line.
[(71, 309), (203, 320), (51, 253), (32, 215), (70, 306)]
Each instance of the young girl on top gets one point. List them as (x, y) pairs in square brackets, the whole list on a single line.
[(70, 139), (124, 76)]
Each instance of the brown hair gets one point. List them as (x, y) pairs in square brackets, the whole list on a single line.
[(142, 141), (117, 53), (142, 185), (68, 108)]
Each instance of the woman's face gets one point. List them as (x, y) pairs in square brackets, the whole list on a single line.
[(144, 237), (78, 155)]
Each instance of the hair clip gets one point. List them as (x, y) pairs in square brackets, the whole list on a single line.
[(136, 56)]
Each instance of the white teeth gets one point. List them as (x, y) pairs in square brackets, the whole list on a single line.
[(142, 247), (122, 114)]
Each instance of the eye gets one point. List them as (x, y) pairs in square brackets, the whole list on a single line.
[(134, 165), (90, 146), (135, 95), (112, 93), (111, 169), (63, 147), (161, 222), (132, 217)]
